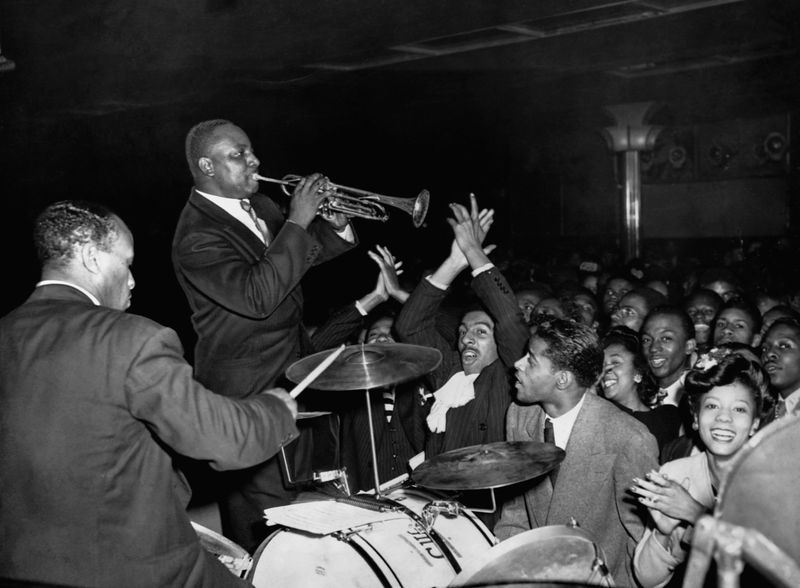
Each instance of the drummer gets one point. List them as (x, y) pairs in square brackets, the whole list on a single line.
[(604, 446), (472, 387), (397, 410)]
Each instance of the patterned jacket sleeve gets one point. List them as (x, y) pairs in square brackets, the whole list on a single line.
[(416, 324), (511, 332)]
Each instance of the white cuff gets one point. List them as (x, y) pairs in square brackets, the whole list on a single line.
[(484, 268), (435, 284)]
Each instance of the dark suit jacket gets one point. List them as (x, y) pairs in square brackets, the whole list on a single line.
[(90, 401), (395, 442), (481, 420), (247, 310), (606, 449), (246, 300)]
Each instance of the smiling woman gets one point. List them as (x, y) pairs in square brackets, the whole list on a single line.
[(727, 394), (628, 382)]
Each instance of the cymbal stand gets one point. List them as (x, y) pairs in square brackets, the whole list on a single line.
[(372, 446)]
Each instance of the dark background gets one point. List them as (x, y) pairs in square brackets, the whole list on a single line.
[(501, 98)]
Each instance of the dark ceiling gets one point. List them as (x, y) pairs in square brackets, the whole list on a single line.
[(104, 56)]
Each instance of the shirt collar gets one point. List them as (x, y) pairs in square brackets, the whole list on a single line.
[(84, 291), (562, 425), (234, 208), (792, 401)]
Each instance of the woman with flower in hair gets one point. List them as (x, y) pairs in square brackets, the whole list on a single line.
[(628, 382), (726, 393)]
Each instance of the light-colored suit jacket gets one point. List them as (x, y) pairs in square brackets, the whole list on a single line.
[(606, 449)]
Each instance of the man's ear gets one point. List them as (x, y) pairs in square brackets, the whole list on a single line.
[(206, 166), (756, 340), (88, 256), (563, 379), (691, 346)]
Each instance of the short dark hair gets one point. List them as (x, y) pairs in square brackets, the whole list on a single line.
[(709, 296), (64, 225), (652, 298), (647, 388), (746, 307), (573, 347), (786, 321), (199, 138), (679, 313), (728, 367)]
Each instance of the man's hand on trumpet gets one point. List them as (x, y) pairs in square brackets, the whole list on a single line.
[(307, 198)]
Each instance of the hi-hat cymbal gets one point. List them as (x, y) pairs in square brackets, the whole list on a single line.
[(491, 465), (363, 367)]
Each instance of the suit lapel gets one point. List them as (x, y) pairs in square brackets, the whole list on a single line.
[(540, 496), (579, 465), (229, 224)]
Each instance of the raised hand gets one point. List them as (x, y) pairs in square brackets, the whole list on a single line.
[(390, 269), (469, 229)]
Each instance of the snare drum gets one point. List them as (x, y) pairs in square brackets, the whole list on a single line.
[(559, 554), (397, 552), (231, 555)]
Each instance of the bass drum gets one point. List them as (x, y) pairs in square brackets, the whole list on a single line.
[(558, 555), (397, 552)]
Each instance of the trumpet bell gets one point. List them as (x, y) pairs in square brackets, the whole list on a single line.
[(420, 208)]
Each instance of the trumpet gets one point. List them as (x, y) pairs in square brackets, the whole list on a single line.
[(359, 203)]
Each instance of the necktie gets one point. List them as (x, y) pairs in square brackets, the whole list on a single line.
[(780, 409), (388, 403), (260, 225), (550, 437)]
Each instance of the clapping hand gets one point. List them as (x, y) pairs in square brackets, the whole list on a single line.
[(389, 270), (668, 502), (469, 229)]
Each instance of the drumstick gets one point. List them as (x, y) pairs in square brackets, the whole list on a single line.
[(305, 382)]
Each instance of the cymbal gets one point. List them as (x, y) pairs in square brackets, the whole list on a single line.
[(480, 467), (311, 414), (363, 367)]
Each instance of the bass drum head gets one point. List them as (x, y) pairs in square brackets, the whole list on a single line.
[(548, 556), (761, 488), (396, 552)]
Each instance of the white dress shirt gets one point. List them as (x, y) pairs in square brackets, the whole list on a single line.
[(562, 426)]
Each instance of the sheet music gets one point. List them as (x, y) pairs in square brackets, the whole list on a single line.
[(323, 517)]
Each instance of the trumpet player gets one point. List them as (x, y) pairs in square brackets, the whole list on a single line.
[(239, 263)]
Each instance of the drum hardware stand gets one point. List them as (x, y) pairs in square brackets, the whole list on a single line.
[(372, 446), (432, 510), (338, 477), (731, 546), (490, 510)]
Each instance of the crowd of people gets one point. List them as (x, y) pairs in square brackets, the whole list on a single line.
[(650, 376)]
